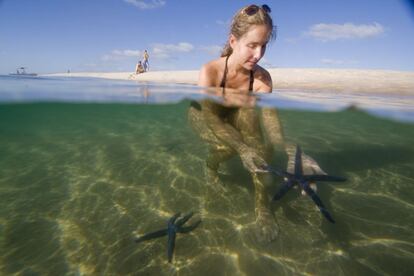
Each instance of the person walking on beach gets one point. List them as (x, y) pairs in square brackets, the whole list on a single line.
[(145, 61)]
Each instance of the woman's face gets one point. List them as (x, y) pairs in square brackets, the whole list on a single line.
[(251, 47)]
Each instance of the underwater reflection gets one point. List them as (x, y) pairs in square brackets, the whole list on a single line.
[(231, 125)]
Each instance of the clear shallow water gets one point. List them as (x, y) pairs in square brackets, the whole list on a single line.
[(83, 172)]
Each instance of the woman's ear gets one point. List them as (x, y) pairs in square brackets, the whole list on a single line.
[(232, 41)]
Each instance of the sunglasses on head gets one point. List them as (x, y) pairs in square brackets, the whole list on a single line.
[(253, 9)]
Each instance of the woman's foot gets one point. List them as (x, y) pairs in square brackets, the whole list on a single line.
[(266, 226)]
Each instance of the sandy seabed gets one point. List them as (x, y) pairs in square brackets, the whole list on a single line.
[(339, 80)]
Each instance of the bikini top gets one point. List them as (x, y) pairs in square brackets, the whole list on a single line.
[(197, 105), (223, 80)]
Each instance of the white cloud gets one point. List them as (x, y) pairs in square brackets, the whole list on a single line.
[(329, 32), (164, 51), (329, 61), (122, 54), (145, 5), (213, 50), (223, 23), (127, 53)]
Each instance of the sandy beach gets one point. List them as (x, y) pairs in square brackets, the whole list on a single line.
[(336, 80)]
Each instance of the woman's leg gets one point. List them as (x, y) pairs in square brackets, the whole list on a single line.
[(247, 121), (218, 152)]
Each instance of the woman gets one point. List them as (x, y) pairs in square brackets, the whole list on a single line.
[(139, 69), (237, 68), (231, 128)]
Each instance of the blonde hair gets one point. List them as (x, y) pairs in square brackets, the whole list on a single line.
[(242, 22)]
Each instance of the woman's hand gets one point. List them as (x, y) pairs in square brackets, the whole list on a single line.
[(253, 162)]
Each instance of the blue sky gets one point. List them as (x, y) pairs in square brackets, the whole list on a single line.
[(109, 35)]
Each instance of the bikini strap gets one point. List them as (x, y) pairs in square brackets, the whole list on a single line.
[(223, 80), (251, 81)]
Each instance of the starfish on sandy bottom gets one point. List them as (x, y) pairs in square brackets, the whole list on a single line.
[(304, 181), (174, 226)]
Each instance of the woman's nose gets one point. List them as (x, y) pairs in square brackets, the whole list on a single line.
[(258, 53)]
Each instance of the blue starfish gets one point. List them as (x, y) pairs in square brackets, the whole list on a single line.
[(174, 226), (304, 181)]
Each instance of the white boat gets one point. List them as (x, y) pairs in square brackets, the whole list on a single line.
[(21, 72)]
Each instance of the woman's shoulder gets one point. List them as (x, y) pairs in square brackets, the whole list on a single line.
[(210, 72), (214, 65), (263, 80)]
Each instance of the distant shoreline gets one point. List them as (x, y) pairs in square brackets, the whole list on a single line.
[(335, 80)]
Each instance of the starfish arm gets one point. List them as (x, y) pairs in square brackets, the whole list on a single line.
[(172, 220), (317, 201), (321, 177), (286, 186), (298, 162), (188, 228), (171, 243), (184, 219), (152, 235)]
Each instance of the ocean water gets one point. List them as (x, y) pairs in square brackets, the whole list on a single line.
[(86, 166)]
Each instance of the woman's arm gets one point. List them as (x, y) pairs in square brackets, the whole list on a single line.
[(226, 133), (206, 77), (270, 118), (272, 126)]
